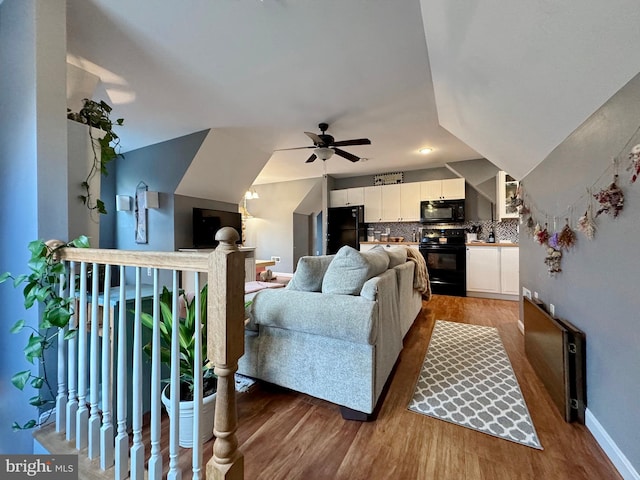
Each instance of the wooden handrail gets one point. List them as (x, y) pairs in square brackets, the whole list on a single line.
[(189, 261), (225, 326)]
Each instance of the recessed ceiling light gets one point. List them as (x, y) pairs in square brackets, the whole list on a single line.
[(425, 150)]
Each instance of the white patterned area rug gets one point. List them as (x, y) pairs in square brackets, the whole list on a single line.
[(467, 379)]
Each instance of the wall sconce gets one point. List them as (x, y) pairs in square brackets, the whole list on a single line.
[(150, 199), (123, 203)]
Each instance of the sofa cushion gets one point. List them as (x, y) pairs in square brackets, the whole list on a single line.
[(350, 269), (397, 256), (309, 273)]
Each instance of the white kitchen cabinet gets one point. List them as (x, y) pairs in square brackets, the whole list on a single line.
[(346, 197), (493, 271), (373, 204), (483, 269), (391, 202), (410, 202), (507, 187), (448, 189), (510, 270)]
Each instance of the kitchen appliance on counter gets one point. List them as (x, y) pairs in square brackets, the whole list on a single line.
[(345, 226), (441, 211), (445, 255)]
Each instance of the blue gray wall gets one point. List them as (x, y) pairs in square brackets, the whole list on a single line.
[(33, 175), (598, 287)]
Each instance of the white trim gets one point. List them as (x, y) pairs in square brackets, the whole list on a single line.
[(521, 326), (612, 451)]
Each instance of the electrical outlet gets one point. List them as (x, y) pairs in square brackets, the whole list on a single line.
[(275, 259), (526, 292), (552, 310), (148, 271), (535, 295)]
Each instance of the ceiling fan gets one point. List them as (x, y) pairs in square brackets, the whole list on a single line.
[(325, 146)]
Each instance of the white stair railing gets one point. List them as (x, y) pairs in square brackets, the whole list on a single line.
[(104, 363)]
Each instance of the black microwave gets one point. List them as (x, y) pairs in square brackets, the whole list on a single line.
[(442, 211)]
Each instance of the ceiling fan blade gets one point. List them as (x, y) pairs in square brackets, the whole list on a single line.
[(294, 148), (311, 158), (315, 138), (355, 141), (349, 156)]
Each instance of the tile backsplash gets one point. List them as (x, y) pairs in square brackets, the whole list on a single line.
[(508, 229)]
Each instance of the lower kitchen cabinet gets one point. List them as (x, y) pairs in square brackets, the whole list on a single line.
[(493, 271)]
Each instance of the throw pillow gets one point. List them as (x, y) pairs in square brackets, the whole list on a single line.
[(309, 273), (350, 269), (397, 256)]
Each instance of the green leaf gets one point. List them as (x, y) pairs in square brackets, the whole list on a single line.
[(34, 347), (37, 382), (101, 208), (81, 242), (37, 401), (17, 327), (20, 379), (70, 334), (29, 424), (4, 277), (58, 316), (19, 279)]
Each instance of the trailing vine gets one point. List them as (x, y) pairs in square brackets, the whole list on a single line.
[(42, 286), (96, 115)]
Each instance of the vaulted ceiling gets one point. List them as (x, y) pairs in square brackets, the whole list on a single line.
[(507, 81)]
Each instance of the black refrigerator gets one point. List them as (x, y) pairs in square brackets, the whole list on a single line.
[(345, 226)]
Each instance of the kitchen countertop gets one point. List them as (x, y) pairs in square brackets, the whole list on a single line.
[(389, 243), (496, 244)]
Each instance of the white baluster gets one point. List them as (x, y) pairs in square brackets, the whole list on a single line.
[(174, 388), (72, 359), (106, 431), (61, 398), (122, 439), (82, 415), (94, 419), (155, 462), (137, 449), (196, 459)]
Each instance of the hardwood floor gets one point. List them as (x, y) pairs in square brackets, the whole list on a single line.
[(287, 435)]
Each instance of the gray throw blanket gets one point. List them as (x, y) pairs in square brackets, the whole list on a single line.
[(420, 275)]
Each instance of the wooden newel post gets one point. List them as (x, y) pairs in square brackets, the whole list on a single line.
[(225, 345)]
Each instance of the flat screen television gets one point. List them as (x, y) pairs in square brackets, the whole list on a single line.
[(207, 222)]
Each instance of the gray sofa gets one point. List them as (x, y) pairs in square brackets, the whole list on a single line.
[(336, 330)]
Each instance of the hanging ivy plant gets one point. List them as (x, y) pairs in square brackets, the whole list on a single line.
[(96, 115), (41, 286)]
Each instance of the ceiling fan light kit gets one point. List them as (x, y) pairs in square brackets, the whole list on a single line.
[(325, 145), (323, 153)]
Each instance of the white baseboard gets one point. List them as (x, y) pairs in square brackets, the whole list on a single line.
[(521, 326), (610, 448)]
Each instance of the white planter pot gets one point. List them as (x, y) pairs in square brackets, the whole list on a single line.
[(185, 435)]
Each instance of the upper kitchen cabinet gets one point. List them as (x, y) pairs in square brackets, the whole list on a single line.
[(346, 197), (507, 188), (372, 204), (410, 202), (448, 189)]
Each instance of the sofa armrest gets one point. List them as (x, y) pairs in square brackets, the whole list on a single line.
[(345, 317)]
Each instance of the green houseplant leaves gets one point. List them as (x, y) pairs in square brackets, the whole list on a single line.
[(42, 286)]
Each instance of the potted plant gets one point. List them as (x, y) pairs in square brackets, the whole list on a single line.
[(41, 286), (97, 115), (186, 325)]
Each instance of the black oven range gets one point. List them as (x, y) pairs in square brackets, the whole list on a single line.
[(445, 253)]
